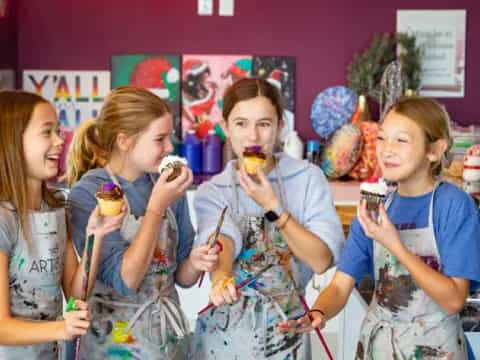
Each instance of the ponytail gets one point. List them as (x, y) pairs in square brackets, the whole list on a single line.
[(85, 152)]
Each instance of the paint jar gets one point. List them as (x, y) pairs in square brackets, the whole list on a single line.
[(212, 154), (192, 151)]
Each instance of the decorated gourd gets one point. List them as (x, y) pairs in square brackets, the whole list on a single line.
[(342, 151)]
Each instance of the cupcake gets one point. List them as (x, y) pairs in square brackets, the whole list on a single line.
[(172, 162), (110, 199), (253, 157), (374, 191)]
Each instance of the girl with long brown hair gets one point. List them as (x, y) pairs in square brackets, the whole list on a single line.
[(37, 258)]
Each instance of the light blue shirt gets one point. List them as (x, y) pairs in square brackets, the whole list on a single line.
[(83, 201), (308, 200)]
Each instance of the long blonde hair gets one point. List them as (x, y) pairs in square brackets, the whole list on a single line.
[(432, 118), (126, 110), (16, 110)]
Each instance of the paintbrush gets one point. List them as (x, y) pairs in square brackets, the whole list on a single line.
[(214, 239), (305, 306), (88, 261), (243, 283)]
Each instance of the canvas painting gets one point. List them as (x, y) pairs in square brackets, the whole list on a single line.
[(279, 71), (157, 73), (204, 80)]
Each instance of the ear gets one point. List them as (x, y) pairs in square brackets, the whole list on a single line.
[(123, 142), (436, 150)]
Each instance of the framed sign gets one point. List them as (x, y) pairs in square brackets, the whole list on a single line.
[(441, 33)]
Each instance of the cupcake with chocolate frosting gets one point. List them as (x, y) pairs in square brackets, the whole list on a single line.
[(110, 199)]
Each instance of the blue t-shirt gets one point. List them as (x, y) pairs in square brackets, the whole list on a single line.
[(83, 201), (456, 227)]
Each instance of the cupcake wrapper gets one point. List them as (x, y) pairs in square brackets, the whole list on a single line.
[(251, 165), (110, 207), (373, 200)]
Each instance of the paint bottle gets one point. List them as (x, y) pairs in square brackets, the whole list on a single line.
[(212, 153), (192, 149)]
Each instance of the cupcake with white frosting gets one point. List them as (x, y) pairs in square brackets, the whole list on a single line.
[(374, 191), (172, 162)]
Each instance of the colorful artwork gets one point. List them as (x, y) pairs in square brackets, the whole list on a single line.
[(331, 109), (279, 71), (204, 80), (158, 73), (77, 95)]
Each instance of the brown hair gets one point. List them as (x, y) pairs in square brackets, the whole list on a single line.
[(246, 89), (16, 110), (432, 118), (126, 110)]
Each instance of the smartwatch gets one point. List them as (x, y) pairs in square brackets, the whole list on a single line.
[(274, 215)]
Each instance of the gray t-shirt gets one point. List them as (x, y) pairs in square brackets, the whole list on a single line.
[(35, 273)]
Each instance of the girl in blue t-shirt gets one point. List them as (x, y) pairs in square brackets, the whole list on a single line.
[(423, 245)]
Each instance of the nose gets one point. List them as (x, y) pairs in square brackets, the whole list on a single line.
[(252, 134), (59, 139)]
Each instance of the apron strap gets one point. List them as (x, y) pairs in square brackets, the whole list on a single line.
[(116, 182)]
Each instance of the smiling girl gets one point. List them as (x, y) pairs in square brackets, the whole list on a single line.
[(424, 247), (135, 306), (37, 259), (281, 222)]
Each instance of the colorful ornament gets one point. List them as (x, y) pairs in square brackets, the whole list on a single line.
[(331, 109)]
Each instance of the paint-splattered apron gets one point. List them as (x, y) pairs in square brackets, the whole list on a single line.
[(35, 278), (247, 328), (148, 324), (402, 321)]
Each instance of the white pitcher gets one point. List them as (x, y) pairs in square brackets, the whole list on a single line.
[(293, 145)]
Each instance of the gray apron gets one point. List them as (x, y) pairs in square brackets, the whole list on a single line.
[(402, 321), (35, 278), (148, 324), (247, 328)]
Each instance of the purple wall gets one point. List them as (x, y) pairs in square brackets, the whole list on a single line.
[(323, 35), (8, 39)]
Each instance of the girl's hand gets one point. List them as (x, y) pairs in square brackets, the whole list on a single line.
[(262, 191), (76, 321), (303, 324), (165, 193), (223, 291), (102, 225), (381, 230), (204, 257)]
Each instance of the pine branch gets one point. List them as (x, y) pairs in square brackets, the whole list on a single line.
[(366, 69)]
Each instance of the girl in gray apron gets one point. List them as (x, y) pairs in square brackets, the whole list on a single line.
[(421, 330), (35, 276), (246, 329), (149, 324)]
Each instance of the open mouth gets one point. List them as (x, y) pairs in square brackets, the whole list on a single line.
[(53, 157)]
